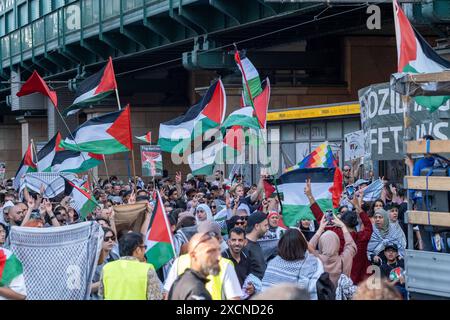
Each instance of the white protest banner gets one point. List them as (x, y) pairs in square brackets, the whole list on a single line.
[(354, 145)]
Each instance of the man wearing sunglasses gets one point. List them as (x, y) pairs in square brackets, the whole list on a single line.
[(204, 253), (130, 277), (222, 286)]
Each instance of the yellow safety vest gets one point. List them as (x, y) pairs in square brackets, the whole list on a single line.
[(215, 283), (125, 280)]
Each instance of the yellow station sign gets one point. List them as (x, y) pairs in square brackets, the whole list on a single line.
[(329, 111)]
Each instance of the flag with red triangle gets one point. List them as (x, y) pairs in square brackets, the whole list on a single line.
[(160, 248), (27, 165), (415, 55), (146, 138), (107, 134), (81, 200), (36, 84), (95, 88)]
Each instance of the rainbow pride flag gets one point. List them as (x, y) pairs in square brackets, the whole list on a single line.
[(321, 157)]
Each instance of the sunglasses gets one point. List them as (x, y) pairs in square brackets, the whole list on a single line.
[(243, 218), (107, 239), (213, 207), (239, 223)]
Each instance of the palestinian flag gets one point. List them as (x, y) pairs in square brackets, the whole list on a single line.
[(250, 77), (176, 135), (415, 55), (93, 89), (295, 204), (107, 134), (243, 117), (36, 84), (10, 267), (146, 138), (82, 201), (27, 165), (160, 249), (202, 162), (75, 161), (46, 155)]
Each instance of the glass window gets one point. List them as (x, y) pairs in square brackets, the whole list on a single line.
[(57, 4), (301, 151), (46, 6), (302, 131), (38, 32), (334, 129), (15, 43), (34, 10), (273, 134), (288, 132), (111, 8), (23, 14), (26, 38), (51, 22), (287, 155), (10, 21), (5, 47), (90, 12), (317, 130), (2, 25), (351, 125)]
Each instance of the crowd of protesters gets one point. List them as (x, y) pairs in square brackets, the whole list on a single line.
[(230, 240)]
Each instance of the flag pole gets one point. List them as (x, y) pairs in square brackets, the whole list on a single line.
[(133, 166), (35, 153), (106, 167)]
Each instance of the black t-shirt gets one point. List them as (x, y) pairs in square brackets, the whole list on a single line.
[(387, 268), (189, 286), (255, 254), (242, 268)]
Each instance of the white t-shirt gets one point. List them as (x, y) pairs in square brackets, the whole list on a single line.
[(231, 285), (17, 285)]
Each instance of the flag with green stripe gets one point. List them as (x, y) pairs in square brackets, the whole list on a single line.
[(158, 240), (10, 267)]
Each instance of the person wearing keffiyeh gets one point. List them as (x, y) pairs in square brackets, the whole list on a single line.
[(384, 233)]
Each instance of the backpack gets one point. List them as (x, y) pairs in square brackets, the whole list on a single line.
[(325, 288)]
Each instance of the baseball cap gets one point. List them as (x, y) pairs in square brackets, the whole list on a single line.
[(209, 226), (189, 176), (255, 218), (391, 246)]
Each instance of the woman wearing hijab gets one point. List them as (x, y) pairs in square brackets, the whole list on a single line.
[(275, 231), (328, 244), (203, 213), (384, 233)]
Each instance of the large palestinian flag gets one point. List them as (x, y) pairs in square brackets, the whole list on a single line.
[(107, 134), (27, 165), (325, 187), (10, 267), (75, 161), (83, 202), (415, 55), (176, 135), (94, 88), (46, 155), (160, 249)]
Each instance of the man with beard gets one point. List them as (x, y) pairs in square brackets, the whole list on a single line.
[(16, 215), (204, 252), (237, 242), (257, 226)]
